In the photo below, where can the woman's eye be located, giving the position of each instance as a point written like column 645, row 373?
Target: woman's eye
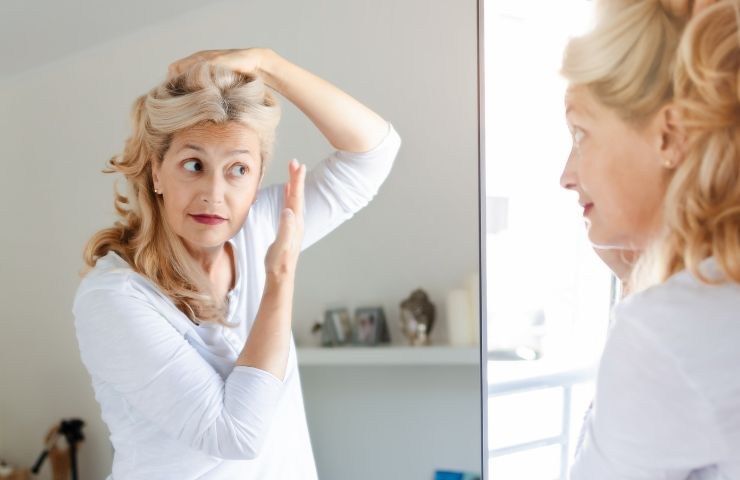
column 239, row 170
column 196, row 162
column 577, row 135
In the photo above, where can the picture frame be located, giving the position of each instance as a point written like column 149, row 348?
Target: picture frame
column 370, row 326
column 337, row 327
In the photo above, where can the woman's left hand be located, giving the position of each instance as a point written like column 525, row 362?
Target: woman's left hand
column 244, row 60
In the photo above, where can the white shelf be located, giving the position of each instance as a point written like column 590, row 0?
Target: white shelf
column 388, row 355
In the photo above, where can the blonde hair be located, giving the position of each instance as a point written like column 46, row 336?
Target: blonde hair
column 142, row 237
column 643, row 55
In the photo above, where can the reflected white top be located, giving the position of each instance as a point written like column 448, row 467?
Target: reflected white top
column 667, row 404
column 175, row 404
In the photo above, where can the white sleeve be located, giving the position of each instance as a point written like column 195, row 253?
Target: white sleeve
column 337, row 187
column 125, row 342
column 647, row 420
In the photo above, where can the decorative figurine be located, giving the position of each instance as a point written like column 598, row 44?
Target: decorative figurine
column 417, row 318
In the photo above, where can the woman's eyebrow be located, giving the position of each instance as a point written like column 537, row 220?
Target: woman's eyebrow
column 199, row 149
column 571, row 108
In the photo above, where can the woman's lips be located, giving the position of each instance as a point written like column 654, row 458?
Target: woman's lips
column 207, row 220
column 587, row 209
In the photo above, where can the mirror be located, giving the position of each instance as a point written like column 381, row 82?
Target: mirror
column 611, row 283
column 69, row 79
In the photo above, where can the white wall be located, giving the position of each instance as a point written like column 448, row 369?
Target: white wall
column 413, row 61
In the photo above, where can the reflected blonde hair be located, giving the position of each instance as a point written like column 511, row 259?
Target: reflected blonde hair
column 142, row 237
column 644, row 54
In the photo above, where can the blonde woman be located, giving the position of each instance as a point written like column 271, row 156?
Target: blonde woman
column 184, row 317
column 654, row 108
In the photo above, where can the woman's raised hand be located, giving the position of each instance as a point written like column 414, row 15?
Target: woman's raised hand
column 244, row 60
column 282, row 256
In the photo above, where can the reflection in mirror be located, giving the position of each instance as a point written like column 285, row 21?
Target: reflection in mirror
column 380, row 377
column 547, row 294
column 651, row 106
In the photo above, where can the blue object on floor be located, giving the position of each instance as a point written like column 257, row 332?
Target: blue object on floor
column 451, row 475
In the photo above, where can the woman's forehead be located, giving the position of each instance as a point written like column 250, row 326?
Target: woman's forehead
column 577, row 99
column 225, row 135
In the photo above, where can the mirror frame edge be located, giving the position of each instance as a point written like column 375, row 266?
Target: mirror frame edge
column 482, row 242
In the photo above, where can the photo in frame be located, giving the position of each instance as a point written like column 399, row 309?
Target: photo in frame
column 337, row 328
column 370, row 326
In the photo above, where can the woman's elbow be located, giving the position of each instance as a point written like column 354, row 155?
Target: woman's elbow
column 231, row 441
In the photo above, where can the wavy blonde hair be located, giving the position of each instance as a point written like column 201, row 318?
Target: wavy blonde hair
column 644, row 54
column 142, row 237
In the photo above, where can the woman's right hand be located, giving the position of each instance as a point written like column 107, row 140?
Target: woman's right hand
column 282, row 255
column 244, row 60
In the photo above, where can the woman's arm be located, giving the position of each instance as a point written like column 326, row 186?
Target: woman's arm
column 268, row 344
column 345, row 122
column 126, row 342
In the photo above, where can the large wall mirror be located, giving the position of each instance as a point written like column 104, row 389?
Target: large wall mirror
column 69, row 76
column 609, row 173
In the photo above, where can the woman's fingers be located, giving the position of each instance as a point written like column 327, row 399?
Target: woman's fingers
column 296, row 184
column 286, row 193
column 246, row 60
column 179, row 66
column 282, row 255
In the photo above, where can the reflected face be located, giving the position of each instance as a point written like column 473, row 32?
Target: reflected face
column 616, row 171
column 209, row 170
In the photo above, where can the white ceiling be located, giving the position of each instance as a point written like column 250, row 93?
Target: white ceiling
column 35, row 32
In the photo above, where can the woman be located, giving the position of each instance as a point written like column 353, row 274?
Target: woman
column 654, row 108
column 184, row 323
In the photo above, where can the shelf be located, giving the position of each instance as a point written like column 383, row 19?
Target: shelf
column 388, row 355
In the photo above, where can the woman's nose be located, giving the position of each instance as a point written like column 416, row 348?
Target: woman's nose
column 568, row 178
column 214, row 189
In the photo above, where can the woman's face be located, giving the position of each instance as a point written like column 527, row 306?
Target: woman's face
column 209, row 169
column 617, row 170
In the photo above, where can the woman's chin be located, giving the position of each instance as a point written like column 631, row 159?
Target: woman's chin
column 205, row 241
column 597, row 237
column 600, row 239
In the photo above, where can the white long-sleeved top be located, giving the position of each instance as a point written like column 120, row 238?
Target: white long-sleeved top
column 667, row 402
column 176, row 405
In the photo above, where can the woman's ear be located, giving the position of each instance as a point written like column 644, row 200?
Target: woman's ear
column 670, row 137
column 262, row 172
column 155, row 176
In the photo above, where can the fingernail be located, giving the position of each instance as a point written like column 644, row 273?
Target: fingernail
column 287, row 213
